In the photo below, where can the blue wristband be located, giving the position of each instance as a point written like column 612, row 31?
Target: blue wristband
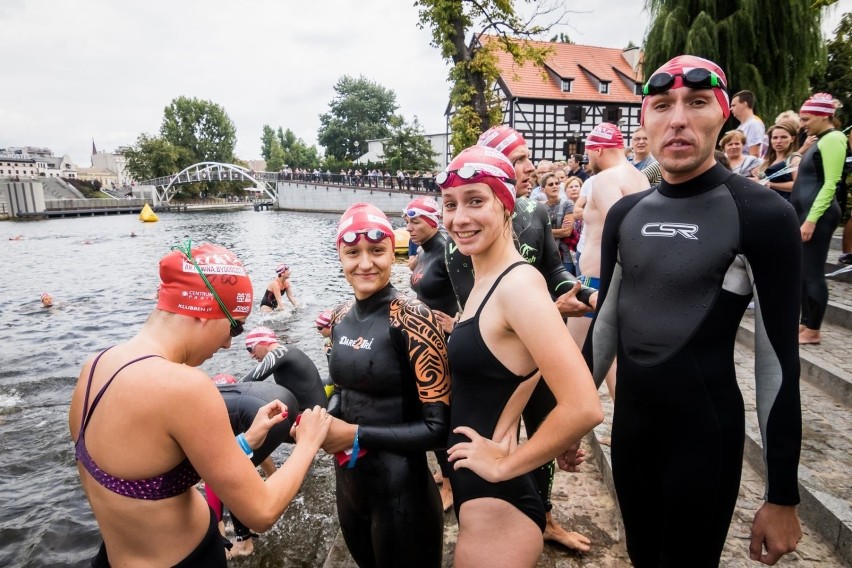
column 243, row 443
column 355, row 449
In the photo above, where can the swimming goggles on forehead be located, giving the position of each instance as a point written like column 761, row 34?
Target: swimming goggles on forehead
column 415, row 212
column 236, row 327
column 372, row 235
column 697, row 78
column 468, row 173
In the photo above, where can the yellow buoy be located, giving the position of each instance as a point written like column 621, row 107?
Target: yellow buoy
column 401, row 236
column 147, row 215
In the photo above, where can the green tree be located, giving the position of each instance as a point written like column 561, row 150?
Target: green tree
column 837, row 78
column 153, row 157
column 765, row 46
column 359, row 111
column 202, row 127
column 474, row 70
column 408, row 148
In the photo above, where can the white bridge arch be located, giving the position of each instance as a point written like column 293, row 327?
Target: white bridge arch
column 165, row 187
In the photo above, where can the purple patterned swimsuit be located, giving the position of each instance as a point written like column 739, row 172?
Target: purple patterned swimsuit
column 174, row 482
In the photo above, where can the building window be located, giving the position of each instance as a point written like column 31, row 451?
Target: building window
column 603, row 87
column 612, row 114
column 566, row 85
column 574, row 113
column 637, row 89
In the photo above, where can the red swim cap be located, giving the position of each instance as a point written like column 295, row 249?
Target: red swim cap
column 282, row 268
column 502, row 138
column 819, row 104
column 604, row 135
column 424, row 207
column 491, row 167
column 684, row 63
column 362, row 217
column 183, row 291
column 260, row 336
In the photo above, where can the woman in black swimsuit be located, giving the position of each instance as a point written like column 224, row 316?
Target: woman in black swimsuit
column 501, row 516
column 142, row 408
column 390, row 403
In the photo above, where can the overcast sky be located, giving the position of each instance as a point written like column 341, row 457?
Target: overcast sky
column 105, row 70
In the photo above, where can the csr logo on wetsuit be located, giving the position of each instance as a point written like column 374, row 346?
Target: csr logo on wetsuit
column 359, row 343
column 670, row 230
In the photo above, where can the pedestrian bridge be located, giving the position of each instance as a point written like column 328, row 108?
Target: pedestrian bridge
column 167, row 186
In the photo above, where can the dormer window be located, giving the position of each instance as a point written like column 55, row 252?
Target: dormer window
column 637, row 89
column 603, row 87
column 566, row 85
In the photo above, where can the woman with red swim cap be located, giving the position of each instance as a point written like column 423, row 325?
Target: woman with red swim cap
column 390, row 404
column 148, row 425
column 498, row 352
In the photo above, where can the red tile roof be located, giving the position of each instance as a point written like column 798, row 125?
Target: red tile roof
column 581, row 63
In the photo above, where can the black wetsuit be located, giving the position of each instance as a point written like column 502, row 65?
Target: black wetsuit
column 431, row 282
column 295, row 371
column 482, row 386
column 534, row 240
column 679, row 265
column 813, row 196
column 243, row 400
column 389, row 368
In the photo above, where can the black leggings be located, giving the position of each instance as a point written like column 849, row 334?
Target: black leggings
column 814, row 256
column 540, row 404
column 390, row 511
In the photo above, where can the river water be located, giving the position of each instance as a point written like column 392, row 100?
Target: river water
column 103, row 282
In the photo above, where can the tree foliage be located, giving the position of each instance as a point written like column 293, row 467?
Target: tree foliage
column 153, row 157
column 474, row 69
column 360, row 110
column 837, row 78
column 408, row 148
column 765, row 46
column 202, row 127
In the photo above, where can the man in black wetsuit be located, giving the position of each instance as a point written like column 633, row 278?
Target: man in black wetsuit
column 535, row 242
column 290, row 368
column 680, row 263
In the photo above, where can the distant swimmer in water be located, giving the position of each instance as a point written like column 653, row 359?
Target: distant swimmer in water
column 17, row 238
column 147, row 425
column 243, row 401
column 281, row 283
column 132, row 234
column 46, row 300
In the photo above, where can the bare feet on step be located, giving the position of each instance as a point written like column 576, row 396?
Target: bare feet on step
column 569, row 539
column 809, row 337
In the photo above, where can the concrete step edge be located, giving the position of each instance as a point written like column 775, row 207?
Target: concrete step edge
column 828, row 378
column 826, row 514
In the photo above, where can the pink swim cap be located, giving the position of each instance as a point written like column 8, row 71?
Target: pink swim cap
column 684, row 63
column 819, row 104
column 224, row 379
column 491, row 167
column 260, row 336
column 603, row 136
column 502, row 138
column 424, row 207
column 324, row 319
column 362, row 217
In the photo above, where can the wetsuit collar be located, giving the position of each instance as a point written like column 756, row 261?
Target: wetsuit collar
column 378, row 300
column 714, row 177
column 436, row 241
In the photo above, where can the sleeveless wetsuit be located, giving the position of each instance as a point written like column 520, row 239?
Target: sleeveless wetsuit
column 210, row 552
column 482, row 386
column 534, row 240
column 679, row 265
column 813, row 196
column 294, row 371
column 390, row 373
